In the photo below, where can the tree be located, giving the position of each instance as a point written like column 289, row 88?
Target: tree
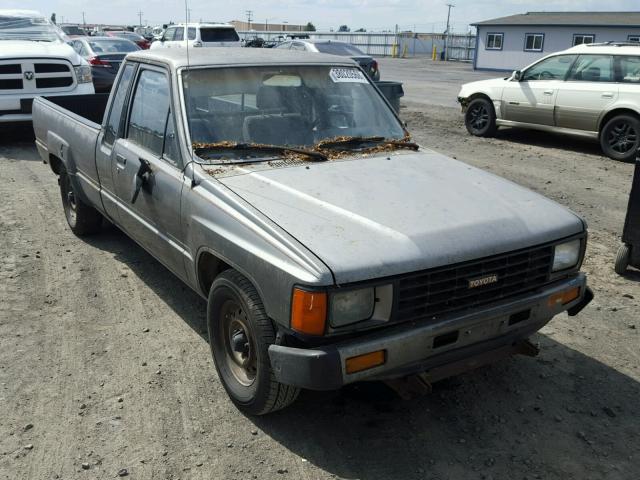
column 310, row 27
column 344, row 28
column 361, row 30
column 53, row 18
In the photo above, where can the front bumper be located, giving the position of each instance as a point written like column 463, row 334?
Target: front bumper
column 462, row 339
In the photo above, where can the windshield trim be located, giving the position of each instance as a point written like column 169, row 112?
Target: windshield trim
column 186, row 130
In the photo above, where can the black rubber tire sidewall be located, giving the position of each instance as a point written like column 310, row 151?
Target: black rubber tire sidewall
column 265, row 394
column 490, row 129
column 607, row 150
column 622, row 259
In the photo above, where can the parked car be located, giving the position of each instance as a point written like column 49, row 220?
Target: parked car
column 104, row 54
column 138, row 39
column 331, row 249
column 590, row 90
column 73, row 31
column 199, row 35
column 34, row 60
column 334, row 47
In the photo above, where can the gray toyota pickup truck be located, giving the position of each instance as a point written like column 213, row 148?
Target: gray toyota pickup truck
column 284, row 189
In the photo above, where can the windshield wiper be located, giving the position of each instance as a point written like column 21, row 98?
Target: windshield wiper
column 254, row 147
column 357, row 141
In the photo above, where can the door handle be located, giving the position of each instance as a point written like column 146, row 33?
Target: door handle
column 548, row 92
column 514, row 103
column 121, row 162
column 607, row 95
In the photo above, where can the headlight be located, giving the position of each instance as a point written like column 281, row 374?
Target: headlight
column 83, row 74
column 351, row 306
column 566, row 255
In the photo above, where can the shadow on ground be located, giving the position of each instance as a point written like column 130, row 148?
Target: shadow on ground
column 560, row 415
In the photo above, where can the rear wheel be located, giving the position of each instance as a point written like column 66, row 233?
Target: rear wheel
column 82, row 218
column 620, row 137
column 480, row 118
column 239, row 335
column 622, row 259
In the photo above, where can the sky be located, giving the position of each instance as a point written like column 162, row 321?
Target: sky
column 373, row 15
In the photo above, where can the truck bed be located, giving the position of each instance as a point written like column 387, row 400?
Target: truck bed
column 90, row 107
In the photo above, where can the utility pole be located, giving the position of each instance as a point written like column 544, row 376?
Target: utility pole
column 446, row 38
column 140, row 13
column 84, row 22
column 249, row 18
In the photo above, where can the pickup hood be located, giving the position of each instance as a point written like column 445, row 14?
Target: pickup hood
column 27, row 49
column 401, row 212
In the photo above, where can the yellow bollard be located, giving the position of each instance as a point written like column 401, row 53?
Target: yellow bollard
column 405, row 50
column 434, row 55
column 394, row 50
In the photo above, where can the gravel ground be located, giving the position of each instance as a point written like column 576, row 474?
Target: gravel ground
column 105, row 369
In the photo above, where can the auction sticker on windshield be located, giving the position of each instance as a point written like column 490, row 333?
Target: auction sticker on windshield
column 349, row 75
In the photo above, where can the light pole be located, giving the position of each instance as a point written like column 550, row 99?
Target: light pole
column 446, row 38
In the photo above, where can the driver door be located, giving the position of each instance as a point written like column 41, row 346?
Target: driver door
column 532, row 98
column 149, row 208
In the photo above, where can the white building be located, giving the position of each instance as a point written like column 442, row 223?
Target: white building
column 512, row 42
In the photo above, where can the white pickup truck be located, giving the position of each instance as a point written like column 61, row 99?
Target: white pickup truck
column 35, row 60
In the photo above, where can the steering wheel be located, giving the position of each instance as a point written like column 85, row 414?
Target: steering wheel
column 546, row 75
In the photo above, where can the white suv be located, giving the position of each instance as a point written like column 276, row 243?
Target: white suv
column 35, row 60
column 198, row 35
column 591, row 90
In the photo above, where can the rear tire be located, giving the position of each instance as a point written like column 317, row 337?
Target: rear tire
column 240, row 333
column 83, row 219
column 622, row 259
column 480, row 118
column 620, row 138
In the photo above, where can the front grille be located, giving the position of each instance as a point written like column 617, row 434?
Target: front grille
column 11, row 84
column 10, row 69
column 432, row 293
column 56, row 82
column 50, row 67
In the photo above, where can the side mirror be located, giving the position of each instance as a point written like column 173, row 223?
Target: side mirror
column 516, row 75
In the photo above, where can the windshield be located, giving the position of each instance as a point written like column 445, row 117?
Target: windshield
column 218, row 35
column 113, row 46
column 28, row 26
column 333, row 48
column 294, row 106
column 72, row 30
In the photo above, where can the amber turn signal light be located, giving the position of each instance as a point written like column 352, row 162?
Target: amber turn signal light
column 308, row 312
column 364, row 362
column 565, row 297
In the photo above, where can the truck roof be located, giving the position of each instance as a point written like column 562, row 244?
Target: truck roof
column 199, row 57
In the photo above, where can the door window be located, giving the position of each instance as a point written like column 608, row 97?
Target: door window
column 533, row 42
column 553, row 68
column 629, row 69
column 191, row 33
column 171, row 150
column 179, row 34
column 149, row 109
column 112, row 128
column 592, row 68
column 168, row 35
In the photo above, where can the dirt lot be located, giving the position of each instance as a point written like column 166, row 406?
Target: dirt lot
column 104, row 364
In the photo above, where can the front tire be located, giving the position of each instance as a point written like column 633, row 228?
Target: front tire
column 480, row 118
column 620, row 138
column 240, row 333
column 83, row 219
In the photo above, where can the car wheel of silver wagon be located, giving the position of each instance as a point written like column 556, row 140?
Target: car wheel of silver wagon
column 239, row 335
column 620, row 138
column 82, row 218
column 480, row 118
column 622, row 259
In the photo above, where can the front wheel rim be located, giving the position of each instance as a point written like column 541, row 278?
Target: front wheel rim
column 239, row 346
column 622, row 137
column 72, row 205
column 478, row 117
